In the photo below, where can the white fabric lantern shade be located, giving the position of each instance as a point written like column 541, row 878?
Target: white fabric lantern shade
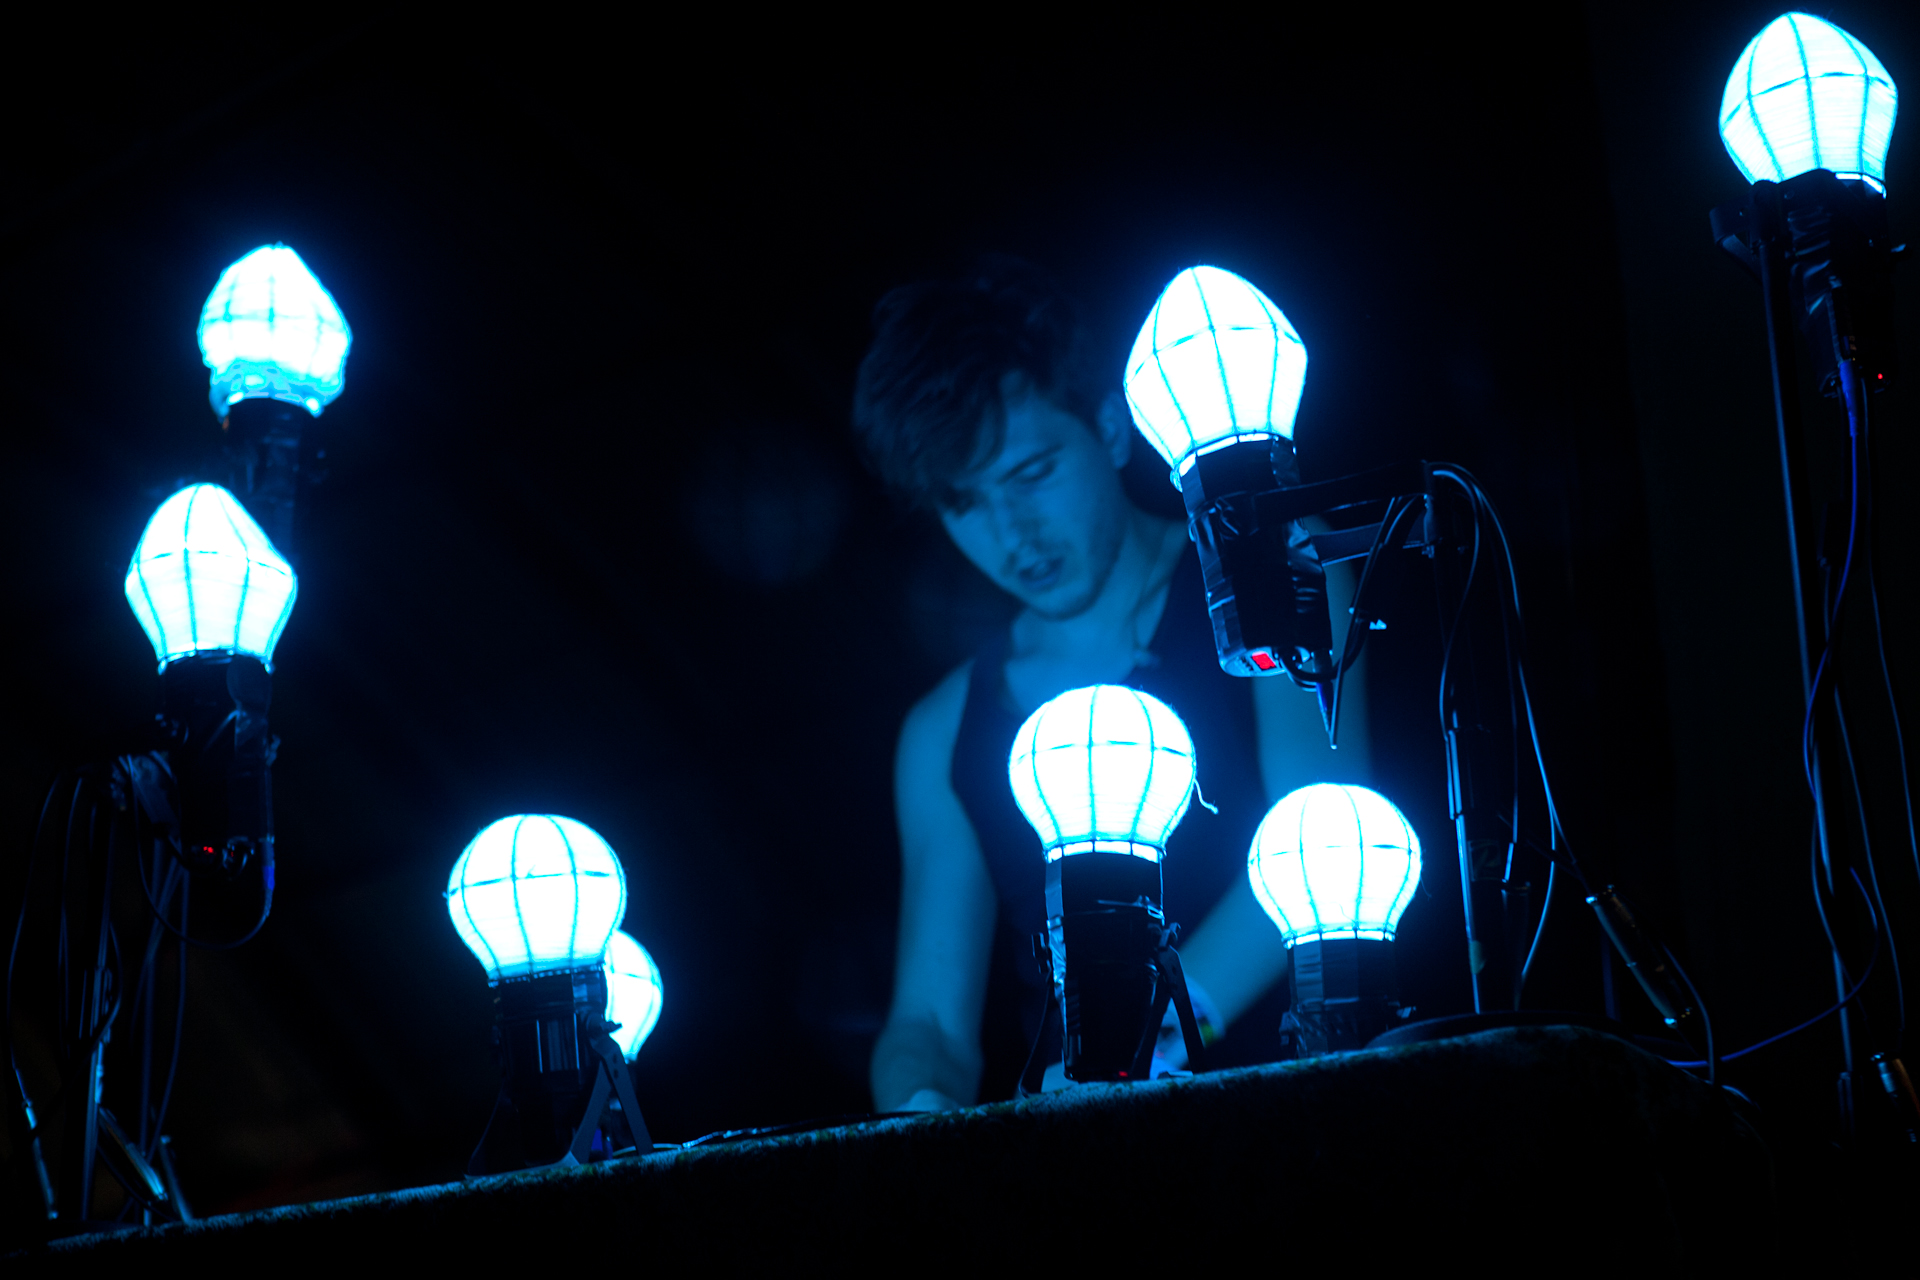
column 536, row 893
column 633, row 992
column 1806, row 95
column 205, row 577
column 1334, row 861
column 271, row 330
column 1216, row 363
column 1104, row 769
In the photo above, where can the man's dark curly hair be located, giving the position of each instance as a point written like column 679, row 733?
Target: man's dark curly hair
column 928, row 403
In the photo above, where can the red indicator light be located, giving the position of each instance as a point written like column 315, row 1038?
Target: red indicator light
column 1263, row 660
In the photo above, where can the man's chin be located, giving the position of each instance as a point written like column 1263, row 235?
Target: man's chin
column 1057, row 603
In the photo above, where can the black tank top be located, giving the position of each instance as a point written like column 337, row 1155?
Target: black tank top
column 1205, row 854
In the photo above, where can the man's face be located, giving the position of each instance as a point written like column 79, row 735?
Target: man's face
column 1045, row 515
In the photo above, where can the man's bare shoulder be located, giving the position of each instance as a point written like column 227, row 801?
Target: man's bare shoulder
column 933, row 722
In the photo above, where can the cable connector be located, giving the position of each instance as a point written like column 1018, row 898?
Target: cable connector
column 1899, row 1089
column 1645, row 960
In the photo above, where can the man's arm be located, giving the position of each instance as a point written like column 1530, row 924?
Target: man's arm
column 928, row 1056
column 1236, row 953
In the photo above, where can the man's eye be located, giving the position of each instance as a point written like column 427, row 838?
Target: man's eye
column 1038, row 471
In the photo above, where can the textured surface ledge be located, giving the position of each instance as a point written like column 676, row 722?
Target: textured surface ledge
column 1470, row 1148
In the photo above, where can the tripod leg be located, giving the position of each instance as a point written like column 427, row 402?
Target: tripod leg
column 610, row 1081
column 1162, row 993
column 171, row 1176
column 1189, row 1025
column 129, row 1168
column 582, row 1145
column 630, row 1106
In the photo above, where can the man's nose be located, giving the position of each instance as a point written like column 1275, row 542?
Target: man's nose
column 1015, row 524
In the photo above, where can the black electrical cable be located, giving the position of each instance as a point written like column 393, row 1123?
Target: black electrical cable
column 1509, row 625
column 1511, row 636
column 1826, row 925
column 1836, row 605
column 1558, row 841
column 1459, row 613
column 1359, row 623
column 1885, row 922
column 99, row 851
column 13, row 953
column 1519, row 699
column 1513, row 647
column 65, row 1006
column 175, row 877
column 146, row 888
column 1540, row 929
column 179, row 1021
column 26, row 896
column 1706, row 1020
column 1872, row 960
column 146, row 988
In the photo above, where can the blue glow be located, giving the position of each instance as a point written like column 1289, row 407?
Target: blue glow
column 1806, row 95
column 270, row 330
column 1334, row 861
column 1215, row 363
column 1105, row 769
column 633, row 992
column 205, row 577
column 536, row 893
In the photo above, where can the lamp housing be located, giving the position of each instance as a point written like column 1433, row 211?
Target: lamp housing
column 536, row 897
column 1807, row 116
column 535, row 894
column 1806, row 95
column 215, row 792
column 1103, row 774
column 1334, row 866
column 1215, row 364
column 270, row 330
column 213, row 595
column 1214, row 383
column 205, row 578
column 545, row 1026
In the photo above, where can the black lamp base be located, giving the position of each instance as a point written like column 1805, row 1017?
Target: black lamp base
column 1344, row 995
column 566, row 1097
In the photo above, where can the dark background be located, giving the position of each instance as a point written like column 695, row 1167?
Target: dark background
column 593, row 540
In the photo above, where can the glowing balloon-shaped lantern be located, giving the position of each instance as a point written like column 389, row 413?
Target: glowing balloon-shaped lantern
column 1216, row 364
column 1335, row 861
column 270, row 330
column 205, row 578
column 1806, row 95
column 1335, row 866
column 1104, row 769
column 633, row 992
column 1214, row 382
column 536, row 897
column 536, row 894
column 213, row 596
column 277, row 347
column 1104, row 774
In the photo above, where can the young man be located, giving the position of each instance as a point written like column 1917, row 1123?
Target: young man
column 978, row 398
